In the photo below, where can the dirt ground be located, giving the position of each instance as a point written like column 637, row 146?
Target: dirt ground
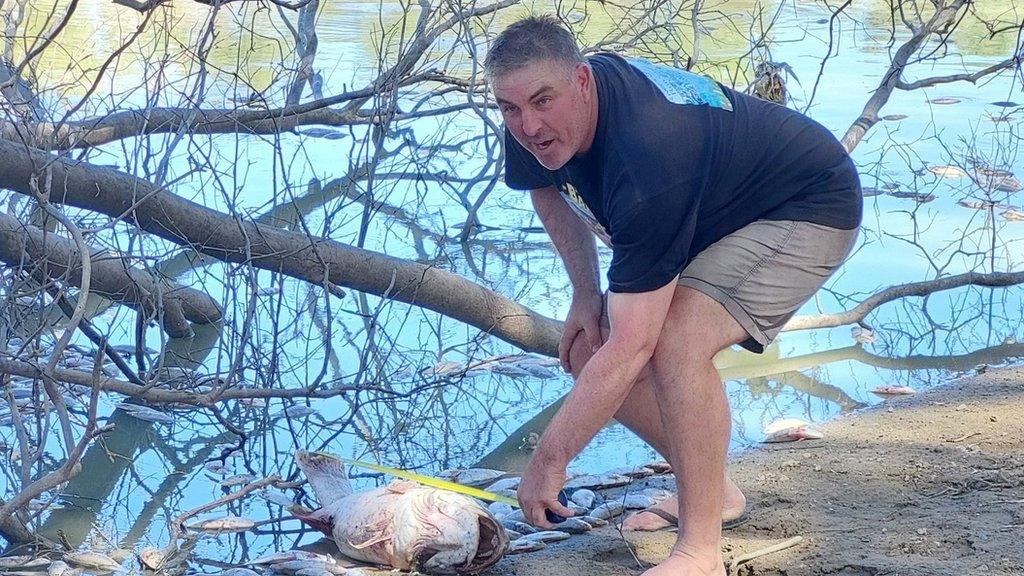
column 930, row 484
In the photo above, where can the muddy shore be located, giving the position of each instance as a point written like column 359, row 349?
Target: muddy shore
column 930, row 484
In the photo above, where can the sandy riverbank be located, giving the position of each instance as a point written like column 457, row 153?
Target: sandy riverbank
column 931, row 484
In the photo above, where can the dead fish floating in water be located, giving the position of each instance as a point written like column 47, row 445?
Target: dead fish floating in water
column 894, row 117
column 1014, row 215
column 944, row 101
column 404, row 524
column 948, row 171
column 790, row 430
column 921, row 197
column 597, row 481
column 227, row 524
column 92, row 561
column 472, row 476
column 893, row 390
column 862, row 335
column 1005, row 104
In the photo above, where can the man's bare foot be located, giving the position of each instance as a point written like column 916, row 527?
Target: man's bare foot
column 683, row 564
column 646, row 521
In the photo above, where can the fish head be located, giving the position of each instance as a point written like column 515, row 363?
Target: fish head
column 440, row 532
column 320, row 519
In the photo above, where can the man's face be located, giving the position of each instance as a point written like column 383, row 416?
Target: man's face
column 547, row 109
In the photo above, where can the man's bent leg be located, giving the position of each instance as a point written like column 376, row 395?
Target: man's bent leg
column 640, row 414
column 695, row 417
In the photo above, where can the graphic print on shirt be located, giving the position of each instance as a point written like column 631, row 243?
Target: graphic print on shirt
column 572, row 196
column 682, row 87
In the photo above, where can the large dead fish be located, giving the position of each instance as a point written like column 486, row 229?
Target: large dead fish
column 404, row 524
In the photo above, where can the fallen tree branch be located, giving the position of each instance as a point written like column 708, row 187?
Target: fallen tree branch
column 48, row 256
column 131, row 123
column 924, row 288
column 294, row 254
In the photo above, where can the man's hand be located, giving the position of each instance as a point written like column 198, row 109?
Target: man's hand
column 538, row 490
column 584, row 316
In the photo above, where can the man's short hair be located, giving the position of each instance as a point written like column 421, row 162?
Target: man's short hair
column 532, row 39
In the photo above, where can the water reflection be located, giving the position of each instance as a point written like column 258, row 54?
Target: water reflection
column 282, row 333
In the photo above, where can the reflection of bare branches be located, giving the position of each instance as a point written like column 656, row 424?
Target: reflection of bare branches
column 858, row 313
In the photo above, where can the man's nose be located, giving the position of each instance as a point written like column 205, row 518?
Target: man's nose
column 531, row 123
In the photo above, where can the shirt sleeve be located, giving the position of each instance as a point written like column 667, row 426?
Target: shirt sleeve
column 522, row 171
column 651, row 241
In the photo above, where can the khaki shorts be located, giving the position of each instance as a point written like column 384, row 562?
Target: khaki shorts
column 764, row 272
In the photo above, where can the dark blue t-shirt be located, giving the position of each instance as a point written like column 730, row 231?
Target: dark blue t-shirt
column 679, row 161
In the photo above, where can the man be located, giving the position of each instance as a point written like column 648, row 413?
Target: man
column 724, row 213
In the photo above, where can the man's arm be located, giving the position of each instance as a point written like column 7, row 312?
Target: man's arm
column 575, row 244
column 571, row 237
column 601, row 388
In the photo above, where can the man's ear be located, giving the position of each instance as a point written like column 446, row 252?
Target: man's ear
column 582, row 77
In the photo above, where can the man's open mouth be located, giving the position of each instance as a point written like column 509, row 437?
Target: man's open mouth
column 544, row 145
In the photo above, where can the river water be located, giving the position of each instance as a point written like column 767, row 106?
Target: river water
column 285, row 333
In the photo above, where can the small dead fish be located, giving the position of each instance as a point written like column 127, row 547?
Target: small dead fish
column 253, row 402
column 862, row 335
column 1005, row 104
column 314, row 572
column 226, row 524
column 894, row 117
column 594, row 521
column 286, row 556
column 152, row 558
column 505, row 484
column 443, row 368
column 472, row 476
column 584, row 498
column 546, row 536
column 921, row 197
column 520, row 546
column 944, row 101
column 868, row 192
column 632, row 471
column 517, row 526
column 573, row 525
column 9, row 562
column 947, row 171
column 58, row 568
column 1000, row 183
column 296, row 411
column 149, row 414
column 608, row 510
column 237, row 480
column 296, row 565
column 637, row 501
column 275, row 497
column 217, row 467
column 93, row 561
column 512, row 534
column 500, row 509
column 597, row 481
column 238, row 572
column 511, row 370
column 893, row 390
column 659, row 466
column 1014, row 215
column 975, row 204
column 790, row 430
column 576, row 509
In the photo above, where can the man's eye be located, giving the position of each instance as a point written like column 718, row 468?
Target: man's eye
column 544, row 101
column 508, row 109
